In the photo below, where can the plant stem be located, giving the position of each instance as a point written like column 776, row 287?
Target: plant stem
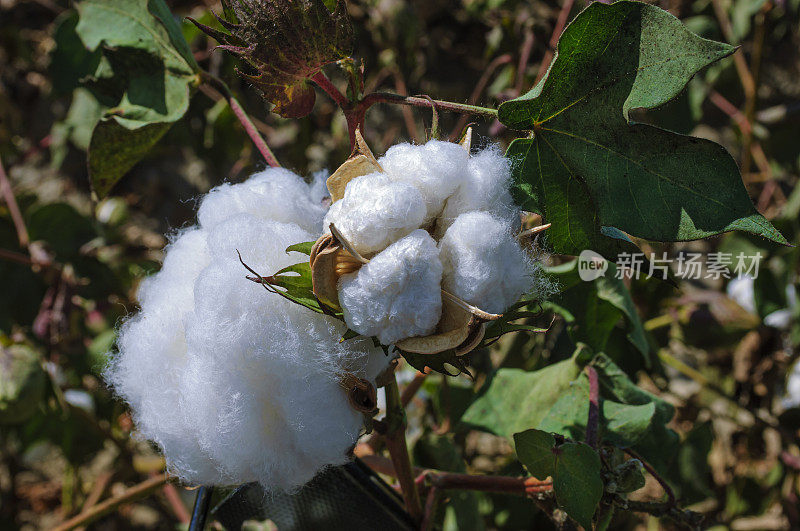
column 517, row 486
column 336, row 95
column 13, row 208
column 398, row 450
column 415, row 101
column 593, row 421
column 137, row 492
column 241, row 115
column 671, row 500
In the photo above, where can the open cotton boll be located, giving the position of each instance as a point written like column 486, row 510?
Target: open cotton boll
column 484, row 187
column 375, row 212
column 275, row 193
column 397, row 294
column 484, row 263
column 227, row 378
column 435, row 168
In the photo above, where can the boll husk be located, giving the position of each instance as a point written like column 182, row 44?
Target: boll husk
column 462, row 203
column 235, row 385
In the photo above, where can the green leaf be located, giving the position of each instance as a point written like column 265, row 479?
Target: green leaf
column 535, row 450
column 304, row 247
column 146, row 25
column 626, row 424
column 577, row 482
column 114, row 150
column 144, row 81
column 515, row 400
column 591, row 171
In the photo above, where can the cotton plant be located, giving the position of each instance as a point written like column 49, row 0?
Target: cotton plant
column 418, row 251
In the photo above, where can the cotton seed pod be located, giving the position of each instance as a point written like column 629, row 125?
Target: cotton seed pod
column 460, row 325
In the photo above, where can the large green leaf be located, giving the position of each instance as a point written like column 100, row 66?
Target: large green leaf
column 516, row 400
column 144, row 81
column 592, row 171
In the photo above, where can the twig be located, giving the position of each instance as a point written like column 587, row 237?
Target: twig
column 176, row 504
column 387, row 97
column 97, row 491
column 330, row 89
column 398, row 450
column 517, row 486
column 687, row 518
column 137, row 492
column 524, row 57
column 593, row 422
column 671, row 500
column 430, row 509
column 563, row 15
column 13, row 208
column 408, row 116
column 242, row 116
column 480, row 86
column 410, row 390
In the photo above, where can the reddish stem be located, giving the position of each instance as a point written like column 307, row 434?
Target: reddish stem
column 13, row 208
column 244, row 119
column 336, row 95
column 593, row 422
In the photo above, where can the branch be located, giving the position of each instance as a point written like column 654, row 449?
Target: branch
column 671, row 500
column 330, row 89
column 236, row 107
column 387, row 97
column 398, row 450
column 684, row 517
column 480, row 86
column 137, row 492
column 13, row 208
column 518, row 486
column 551, row 46
column 593, row 422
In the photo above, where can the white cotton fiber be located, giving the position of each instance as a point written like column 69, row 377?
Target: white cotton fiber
column 435, row 168
column 483, row 262
column 375, row 212
column 275, row 193
column 228, row 379
column 398, row 293
column 485, row 187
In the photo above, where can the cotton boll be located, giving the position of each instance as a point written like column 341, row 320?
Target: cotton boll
column 483, row 262
column 375, row 212
column 275, row 193
column 398, row 293
column 227, row 378
column 485, row 187
column 435, row 168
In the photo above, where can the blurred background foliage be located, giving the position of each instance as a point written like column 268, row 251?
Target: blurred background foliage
column 721, row 351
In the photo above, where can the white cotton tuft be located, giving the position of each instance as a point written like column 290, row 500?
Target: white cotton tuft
column 398, row 293
column 435, row 168
column 375, row 212
column 484, row 263
column 275, row 193
column 485, row 187
column 227, row 378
